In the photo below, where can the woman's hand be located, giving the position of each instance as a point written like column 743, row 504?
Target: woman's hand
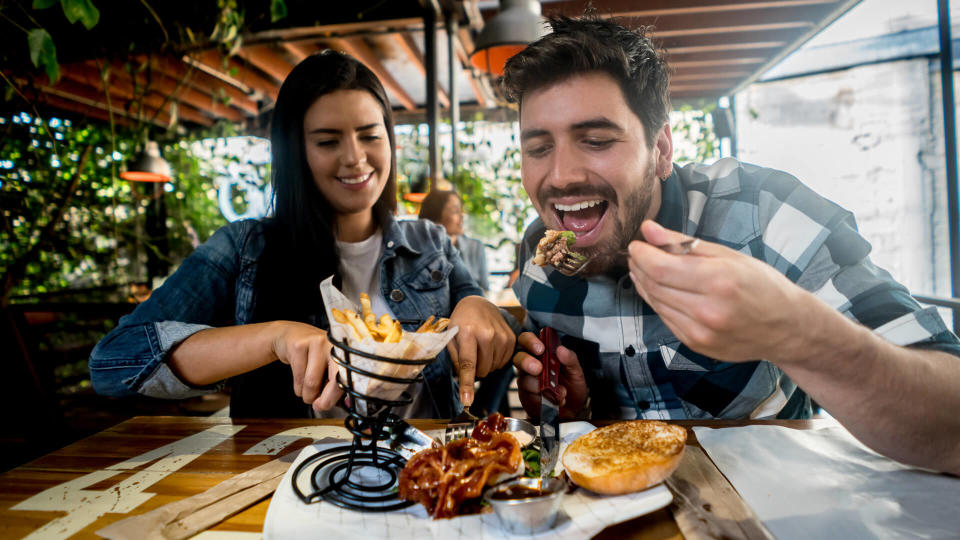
column 308, row 352
column 483, row 343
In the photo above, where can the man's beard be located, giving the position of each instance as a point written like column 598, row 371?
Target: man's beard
column 608, row 257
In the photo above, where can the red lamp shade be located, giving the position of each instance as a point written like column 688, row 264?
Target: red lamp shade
column 517, row 24
column 149, row 166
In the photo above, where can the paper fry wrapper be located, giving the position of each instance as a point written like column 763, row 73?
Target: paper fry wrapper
column 412, row 346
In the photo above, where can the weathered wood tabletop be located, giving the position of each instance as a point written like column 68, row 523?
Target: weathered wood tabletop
column 147, row 462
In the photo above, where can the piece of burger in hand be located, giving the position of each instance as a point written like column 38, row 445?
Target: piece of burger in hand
column 626, row 456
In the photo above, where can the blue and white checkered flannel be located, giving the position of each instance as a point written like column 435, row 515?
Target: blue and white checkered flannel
column 636, row 368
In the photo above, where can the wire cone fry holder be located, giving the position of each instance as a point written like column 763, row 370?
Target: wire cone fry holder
column 375, row 376
column 337, row 477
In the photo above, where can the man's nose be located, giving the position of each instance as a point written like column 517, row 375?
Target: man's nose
column 565, row 167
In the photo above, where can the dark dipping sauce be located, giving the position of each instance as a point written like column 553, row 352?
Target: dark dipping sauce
column 518, row 492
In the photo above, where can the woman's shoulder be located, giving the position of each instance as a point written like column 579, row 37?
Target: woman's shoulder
column 239, row 237
column 420, row 233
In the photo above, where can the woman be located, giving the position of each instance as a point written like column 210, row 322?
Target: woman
column 245, row 307
column 445, row 208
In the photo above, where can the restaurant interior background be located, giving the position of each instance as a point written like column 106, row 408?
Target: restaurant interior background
column 855, row 112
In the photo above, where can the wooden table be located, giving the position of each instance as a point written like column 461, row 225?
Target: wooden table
column 84, row 479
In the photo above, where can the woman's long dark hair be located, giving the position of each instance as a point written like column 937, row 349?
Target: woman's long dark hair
column 300, row 249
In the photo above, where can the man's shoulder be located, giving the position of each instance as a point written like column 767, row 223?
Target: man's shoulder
column 730, row 177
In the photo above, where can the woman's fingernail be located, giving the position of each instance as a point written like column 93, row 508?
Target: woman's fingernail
column 467, row 399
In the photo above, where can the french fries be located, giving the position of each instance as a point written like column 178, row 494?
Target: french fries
column 387, row 330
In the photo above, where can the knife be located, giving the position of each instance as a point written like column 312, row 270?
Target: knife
column 549, row 402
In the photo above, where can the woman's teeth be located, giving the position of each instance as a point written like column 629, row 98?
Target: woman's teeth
column 354, row 179
column 582, row 205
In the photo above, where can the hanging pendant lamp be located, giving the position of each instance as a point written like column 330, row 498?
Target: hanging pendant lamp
column 516, row 25
column 149, row 166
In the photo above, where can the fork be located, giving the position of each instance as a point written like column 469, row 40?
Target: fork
column 460, row 427
column 573, row 263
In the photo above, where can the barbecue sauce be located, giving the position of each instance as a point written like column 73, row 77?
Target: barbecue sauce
column 518, row 492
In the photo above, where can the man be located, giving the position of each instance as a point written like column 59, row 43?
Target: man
column 776, row 303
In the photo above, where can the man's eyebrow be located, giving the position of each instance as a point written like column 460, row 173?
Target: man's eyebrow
column 596, row 123
column 531, row 133
column 331, row 131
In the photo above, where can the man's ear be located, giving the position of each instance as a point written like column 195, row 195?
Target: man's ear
column 663, row 152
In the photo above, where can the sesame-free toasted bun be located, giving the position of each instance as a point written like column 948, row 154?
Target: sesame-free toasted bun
column 625, row 457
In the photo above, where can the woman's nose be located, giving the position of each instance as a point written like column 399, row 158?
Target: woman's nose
column 352, row 152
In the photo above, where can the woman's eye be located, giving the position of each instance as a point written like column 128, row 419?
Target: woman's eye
column 371, row 137
column 325, row 143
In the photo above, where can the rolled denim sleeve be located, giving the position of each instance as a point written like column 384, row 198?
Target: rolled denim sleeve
column 132, row 358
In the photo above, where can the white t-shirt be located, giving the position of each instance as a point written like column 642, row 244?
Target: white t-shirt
column 360, row 272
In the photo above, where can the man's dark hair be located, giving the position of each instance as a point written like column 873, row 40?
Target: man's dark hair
column 591, row 44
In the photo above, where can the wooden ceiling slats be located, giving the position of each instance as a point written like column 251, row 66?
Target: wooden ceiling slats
column 659, row 8
column 70, row 106
column 410, row 48
column 357, row 48
column 715, row 47
column 90, row 97
column 299, row 51
column 203, row 81
column 267, row 60
column 89, row 86
column 244, row 75
column 464, row 42
column 161, row 83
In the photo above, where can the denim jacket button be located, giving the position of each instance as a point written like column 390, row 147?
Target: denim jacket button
column 390, row 244
column 396, row 295
column 436, row 275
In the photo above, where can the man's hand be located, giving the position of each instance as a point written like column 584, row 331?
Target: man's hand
column 719, row 302
column 573, row 386
column 483, row 343
column 307, row 351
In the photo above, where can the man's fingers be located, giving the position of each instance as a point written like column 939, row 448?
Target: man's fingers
column 530, row 343
column 527, row 364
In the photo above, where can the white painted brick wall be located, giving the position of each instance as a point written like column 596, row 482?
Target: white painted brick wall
column 870, row 139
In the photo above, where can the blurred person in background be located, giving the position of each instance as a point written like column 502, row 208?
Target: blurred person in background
column 445, row 208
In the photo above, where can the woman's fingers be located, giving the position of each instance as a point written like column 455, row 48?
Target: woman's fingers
column 315, row 369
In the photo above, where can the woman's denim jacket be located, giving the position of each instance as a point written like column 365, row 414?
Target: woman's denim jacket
column 421, row 274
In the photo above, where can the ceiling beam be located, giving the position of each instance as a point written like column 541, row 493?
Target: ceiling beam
column 203, row 81
column 299, row 51
column 244, row 76
column 159, row 82
column 267, row 60
column 84, row 81
column 323, row 32
column 357, row 48
column 405, row 41
column 89, row 98
column 463, row 43
column 661, row 8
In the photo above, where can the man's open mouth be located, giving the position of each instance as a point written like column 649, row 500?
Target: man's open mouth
column 581, row 217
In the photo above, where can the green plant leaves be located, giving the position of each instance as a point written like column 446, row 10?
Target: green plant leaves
column 82, row 10
column 44, row 53
column 43, row 4
column 278, row 10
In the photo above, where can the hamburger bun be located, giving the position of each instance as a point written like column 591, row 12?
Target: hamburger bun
column 625, row 457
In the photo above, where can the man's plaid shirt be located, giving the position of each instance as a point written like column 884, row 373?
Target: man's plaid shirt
column 634, row 365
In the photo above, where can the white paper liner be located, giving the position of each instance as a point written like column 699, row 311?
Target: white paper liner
column 412, row 346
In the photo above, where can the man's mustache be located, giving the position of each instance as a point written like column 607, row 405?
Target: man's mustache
column 577, row 190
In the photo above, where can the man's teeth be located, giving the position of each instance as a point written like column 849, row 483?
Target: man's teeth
column 577, row 206
column 354, row 179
